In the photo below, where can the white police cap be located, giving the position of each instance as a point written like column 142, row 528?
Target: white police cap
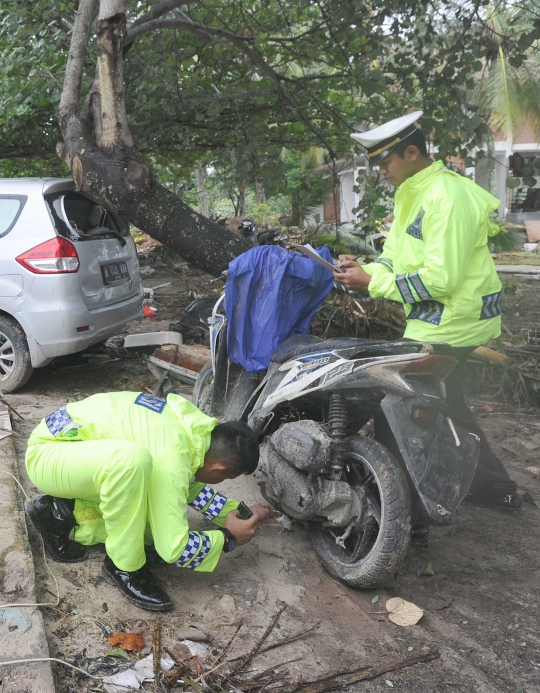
column 381, row 141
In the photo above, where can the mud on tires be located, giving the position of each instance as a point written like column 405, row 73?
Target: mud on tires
column 381, row 563
column 203, row 388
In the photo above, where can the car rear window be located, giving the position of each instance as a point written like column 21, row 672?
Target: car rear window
column 78, row 215
column 10, row 208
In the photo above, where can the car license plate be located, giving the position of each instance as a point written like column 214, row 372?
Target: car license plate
column 115, row 273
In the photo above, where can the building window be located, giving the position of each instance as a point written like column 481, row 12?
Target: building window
column 524, row 198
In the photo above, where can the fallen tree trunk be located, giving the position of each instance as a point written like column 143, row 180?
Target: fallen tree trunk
column 125, row 184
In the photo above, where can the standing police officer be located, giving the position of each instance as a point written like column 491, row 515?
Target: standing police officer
column 436, row 262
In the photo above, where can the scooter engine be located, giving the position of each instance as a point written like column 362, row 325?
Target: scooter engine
column 291, row 476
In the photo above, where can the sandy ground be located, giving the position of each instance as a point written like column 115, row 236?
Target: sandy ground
column 481, row 605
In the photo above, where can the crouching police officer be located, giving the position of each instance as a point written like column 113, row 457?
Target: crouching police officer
column 121, row 468
column 436, row 262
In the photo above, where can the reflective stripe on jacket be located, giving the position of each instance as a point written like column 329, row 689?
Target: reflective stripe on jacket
column 436, row 259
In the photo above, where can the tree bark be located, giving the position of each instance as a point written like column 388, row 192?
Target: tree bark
column 114, row 128
column 125, row 184
column 259, row 191
column 242, row 202
column 203, row 197
column 110, row 171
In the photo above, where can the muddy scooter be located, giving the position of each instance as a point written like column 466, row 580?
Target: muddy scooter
column 311, row 410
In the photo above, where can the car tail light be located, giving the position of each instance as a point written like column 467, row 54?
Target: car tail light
column 440, row 366
column 56, row 256
column 423, row 417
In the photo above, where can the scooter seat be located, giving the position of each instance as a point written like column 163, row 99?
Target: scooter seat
column 309, row 344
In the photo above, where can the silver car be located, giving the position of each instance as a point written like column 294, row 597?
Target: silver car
column 69, row 275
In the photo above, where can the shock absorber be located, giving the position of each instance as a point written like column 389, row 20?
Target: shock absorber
column 337, row 423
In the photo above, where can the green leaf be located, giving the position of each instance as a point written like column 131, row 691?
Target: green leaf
column 375, row 599
column 512, row 183
column 389, row 683
column 117, row 652
column 429, row 570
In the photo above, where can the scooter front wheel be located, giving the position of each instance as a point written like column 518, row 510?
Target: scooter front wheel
column 203, row 389
column 369, row 553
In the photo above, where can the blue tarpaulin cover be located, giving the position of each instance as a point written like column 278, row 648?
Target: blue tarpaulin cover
column 271, row 294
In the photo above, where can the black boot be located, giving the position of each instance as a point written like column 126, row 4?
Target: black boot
column 53, row 519
column 500, row 497
column 138, row 587
column 152, row 556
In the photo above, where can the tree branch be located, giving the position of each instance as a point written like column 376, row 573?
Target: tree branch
column 186, row 24
column 241, row 42
column 158, row 10
column 233, row 96
column 71, row 92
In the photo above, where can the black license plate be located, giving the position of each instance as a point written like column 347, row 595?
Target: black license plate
column 115, row 273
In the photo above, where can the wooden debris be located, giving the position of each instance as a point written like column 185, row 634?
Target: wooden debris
column 330, row 684
column 190, row 356
column 156, row 647
column 244, row 661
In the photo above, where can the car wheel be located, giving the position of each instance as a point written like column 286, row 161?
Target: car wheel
column 15, row 364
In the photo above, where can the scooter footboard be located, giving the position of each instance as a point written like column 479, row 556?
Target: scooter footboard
column 441, row 458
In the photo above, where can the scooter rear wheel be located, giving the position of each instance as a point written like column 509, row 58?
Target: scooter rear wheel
column 371, row 554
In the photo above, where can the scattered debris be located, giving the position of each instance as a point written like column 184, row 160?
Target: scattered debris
column 403, row 613
column 132, row 642
column 533, row 470
column 428, row 571
column 132, row 678
column 146, row 271
column 226, row 603
column 117, row 652
column 193, row 357
column 197, row 649
column 156, row 646
column 193, row 633
column 331, row 684
column 149, row 311
column 15, row 619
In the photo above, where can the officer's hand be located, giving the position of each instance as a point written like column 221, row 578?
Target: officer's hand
column 354, row 278
column 267, row 514
column 243, row 530
column 347, row 261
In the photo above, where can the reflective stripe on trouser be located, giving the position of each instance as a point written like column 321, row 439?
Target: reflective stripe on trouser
column 114, row 473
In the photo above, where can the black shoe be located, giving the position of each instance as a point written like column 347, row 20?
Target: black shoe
column 152, row 556
column 139, row 587
column 53, row 519
column 508, row 503
column 420, row 536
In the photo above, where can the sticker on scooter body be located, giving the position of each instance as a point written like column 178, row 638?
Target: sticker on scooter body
column 305, row 375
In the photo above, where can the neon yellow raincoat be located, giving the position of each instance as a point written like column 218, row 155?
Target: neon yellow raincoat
column 436, row 259
column 129, row 460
